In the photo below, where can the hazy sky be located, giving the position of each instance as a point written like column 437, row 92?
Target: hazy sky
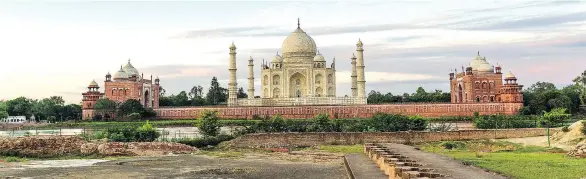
column 58, row 48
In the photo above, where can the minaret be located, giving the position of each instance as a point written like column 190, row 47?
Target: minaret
column 232, row 85
column 250, row 78
column 360, row 71
column 353, row 77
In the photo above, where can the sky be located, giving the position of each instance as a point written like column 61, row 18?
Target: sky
column 50, row 48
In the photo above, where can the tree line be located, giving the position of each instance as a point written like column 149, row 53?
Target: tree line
column 216, row 95
column 51, row 109
column 420, row 95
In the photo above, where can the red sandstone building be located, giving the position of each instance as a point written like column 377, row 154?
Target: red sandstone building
column 481, row 82
column 126, row 84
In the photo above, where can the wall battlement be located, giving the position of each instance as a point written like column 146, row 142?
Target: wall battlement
column 359, row 111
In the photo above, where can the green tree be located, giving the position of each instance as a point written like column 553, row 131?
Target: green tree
column 216, row 93
column 165, row 101
column 130, row 106
column 20, row 106
column 241, row 93
column 3, row 110
column 71, row 112
column 181, row 99
column 581, row 81
column 573, row 92
column 105, row 106
column 209, row 124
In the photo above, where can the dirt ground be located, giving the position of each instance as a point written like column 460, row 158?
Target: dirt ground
column 214, row 165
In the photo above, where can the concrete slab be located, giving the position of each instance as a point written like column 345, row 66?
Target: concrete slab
column 363, row 168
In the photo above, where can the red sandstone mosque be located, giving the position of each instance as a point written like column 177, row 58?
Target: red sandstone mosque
column 299, row 84
column 126, row 84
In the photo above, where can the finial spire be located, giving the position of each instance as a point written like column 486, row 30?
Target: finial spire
column 478, row 53
column 298, row 24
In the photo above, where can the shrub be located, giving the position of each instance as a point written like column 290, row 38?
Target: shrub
column 321, row 123
column 205, row 141
column 148, row 112
column 121, row 134
column 146, row 133
column 208, row 124
column 555, row 117
column 452, row 145
column 133, row 116
column 566, row 128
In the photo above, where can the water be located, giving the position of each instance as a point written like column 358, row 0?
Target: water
column 167, row 132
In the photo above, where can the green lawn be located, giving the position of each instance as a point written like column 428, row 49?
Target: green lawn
column 514, row 160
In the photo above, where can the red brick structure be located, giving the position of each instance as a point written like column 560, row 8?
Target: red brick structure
column 364, row 111
column 126, row 84
column 482, row 83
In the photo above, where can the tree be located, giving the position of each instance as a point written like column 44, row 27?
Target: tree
column 581, row 81
column 105, row 106
column 165, row 101
column 180, row 99
column 20, row 106
column 196, row 92
column 70, row 111
column 3, row 110
column 209, row 124
column 216, row 93
column 162, row 91
column 573, row 92
column 130, row 106
column 241, row 93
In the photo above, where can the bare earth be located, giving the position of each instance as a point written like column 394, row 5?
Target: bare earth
column 277, row 165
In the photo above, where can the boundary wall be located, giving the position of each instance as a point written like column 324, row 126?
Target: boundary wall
column 284, row 140
column 360, row 111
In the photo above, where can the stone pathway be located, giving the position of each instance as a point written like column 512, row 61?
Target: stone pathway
column 444, row 165
column 363, row 168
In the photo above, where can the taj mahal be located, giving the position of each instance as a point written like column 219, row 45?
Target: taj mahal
column 300, row 76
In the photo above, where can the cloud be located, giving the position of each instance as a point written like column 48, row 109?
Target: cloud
column 530, row 22
column 229, row 31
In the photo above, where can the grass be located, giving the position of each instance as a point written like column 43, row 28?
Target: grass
column 13, row 159
column 342, row 148
column 221, row 154
column 514, row 160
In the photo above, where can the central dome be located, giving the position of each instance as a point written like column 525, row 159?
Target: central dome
column 298, row 44
column 481, row 65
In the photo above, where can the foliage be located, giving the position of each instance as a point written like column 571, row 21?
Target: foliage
column 452, row 145
column 130, row 106
column 581, row 83
column 216, row 93
column 514, row 160
column 3, row 110
column 241, row 94
column 544, row 96
column 133, row 116
column 556, row 116
column 375, row 97
column 584, row 128
column 321, row 123
column 144, row 133
column 382, row 122
column 208, row 124
column 93, row 136
column 504, row 122
column 105, row 106
column 148, row 112
column 342, row 148
column 205, row 141
column 20, row 106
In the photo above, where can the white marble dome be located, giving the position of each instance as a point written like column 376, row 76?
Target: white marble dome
column 130, row 70
column 481, row 65
column 299, row 44
column 277, row 59
column 510, row 76
column 319, row 58
column 93, row 84
column 120, row 74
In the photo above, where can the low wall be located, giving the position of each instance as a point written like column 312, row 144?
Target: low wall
column 276, row 140
column 360, row 111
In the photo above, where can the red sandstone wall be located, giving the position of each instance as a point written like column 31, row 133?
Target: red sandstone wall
column 365, row 111
column 277, row 140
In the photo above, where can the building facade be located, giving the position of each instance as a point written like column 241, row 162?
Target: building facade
column 301, row 76
column 481, row 82
column 126, row 84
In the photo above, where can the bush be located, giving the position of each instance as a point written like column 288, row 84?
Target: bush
column 382, row 122
column 452, row 145
column 208, row 124
column 146, row 133
column 504, row 122
column 205, row 141
column 148, row 112
column 566, row 128
column 134, row 116
column 321, row 123
column 555, row 117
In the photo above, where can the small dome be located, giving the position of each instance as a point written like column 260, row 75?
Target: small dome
column 319, row 58
column 120, row 74
column 93, row 84
column 510, row 76
column 299, row 44
column 359, row 43
column 130, row 70
column 232, row 45
column 277, row 58
column 480, row 64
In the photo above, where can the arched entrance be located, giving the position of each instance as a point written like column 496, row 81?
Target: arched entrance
column 297, row 86
column 318, row 92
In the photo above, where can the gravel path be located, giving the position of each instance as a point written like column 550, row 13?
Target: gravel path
column 189, row 166
column 444, row 165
